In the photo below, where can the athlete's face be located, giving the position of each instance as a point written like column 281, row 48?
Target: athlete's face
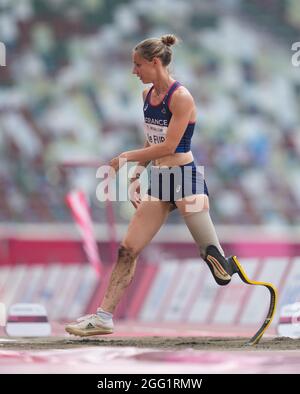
column 142, row 68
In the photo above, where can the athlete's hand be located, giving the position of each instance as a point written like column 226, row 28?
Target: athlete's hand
column 116, row 163
column 135, row 192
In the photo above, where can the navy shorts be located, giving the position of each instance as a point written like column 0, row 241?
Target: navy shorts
column 174, row 183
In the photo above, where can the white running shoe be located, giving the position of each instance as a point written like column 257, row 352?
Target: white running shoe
column 90, row 325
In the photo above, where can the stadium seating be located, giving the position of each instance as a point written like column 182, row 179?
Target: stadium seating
column 67, row 93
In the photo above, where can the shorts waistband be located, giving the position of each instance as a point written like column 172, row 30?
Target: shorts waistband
column 192, row 163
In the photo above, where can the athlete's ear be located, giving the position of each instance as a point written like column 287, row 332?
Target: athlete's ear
column 155, row 61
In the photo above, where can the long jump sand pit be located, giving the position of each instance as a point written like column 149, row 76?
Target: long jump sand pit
column 148, row 355
column 151, row 348
column 154, row 342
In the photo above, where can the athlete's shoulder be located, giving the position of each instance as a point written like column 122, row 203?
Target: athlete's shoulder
column 182, row 91
column 182, row 96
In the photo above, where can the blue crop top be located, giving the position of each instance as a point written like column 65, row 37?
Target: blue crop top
column 157, row 119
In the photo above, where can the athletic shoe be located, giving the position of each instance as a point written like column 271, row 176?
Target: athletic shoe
column 90, row 325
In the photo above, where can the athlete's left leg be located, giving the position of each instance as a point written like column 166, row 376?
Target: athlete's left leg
column 195, row 212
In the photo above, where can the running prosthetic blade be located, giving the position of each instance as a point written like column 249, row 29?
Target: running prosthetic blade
column 236, row 267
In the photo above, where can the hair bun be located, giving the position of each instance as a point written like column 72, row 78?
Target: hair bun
column 169, row 39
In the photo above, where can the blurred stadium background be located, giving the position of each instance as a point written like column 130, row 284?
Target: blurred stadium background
column 67, row 95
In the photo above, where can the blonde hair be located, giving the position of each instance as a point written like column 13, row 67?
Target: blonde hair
column 157, row 47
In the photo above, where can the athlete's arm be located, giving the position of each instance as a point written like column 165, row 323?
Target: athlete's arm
column 182, row 105
column 141, row 165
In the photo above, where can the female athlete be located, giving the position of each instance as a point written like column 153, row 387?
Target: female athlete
column 176, row 182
